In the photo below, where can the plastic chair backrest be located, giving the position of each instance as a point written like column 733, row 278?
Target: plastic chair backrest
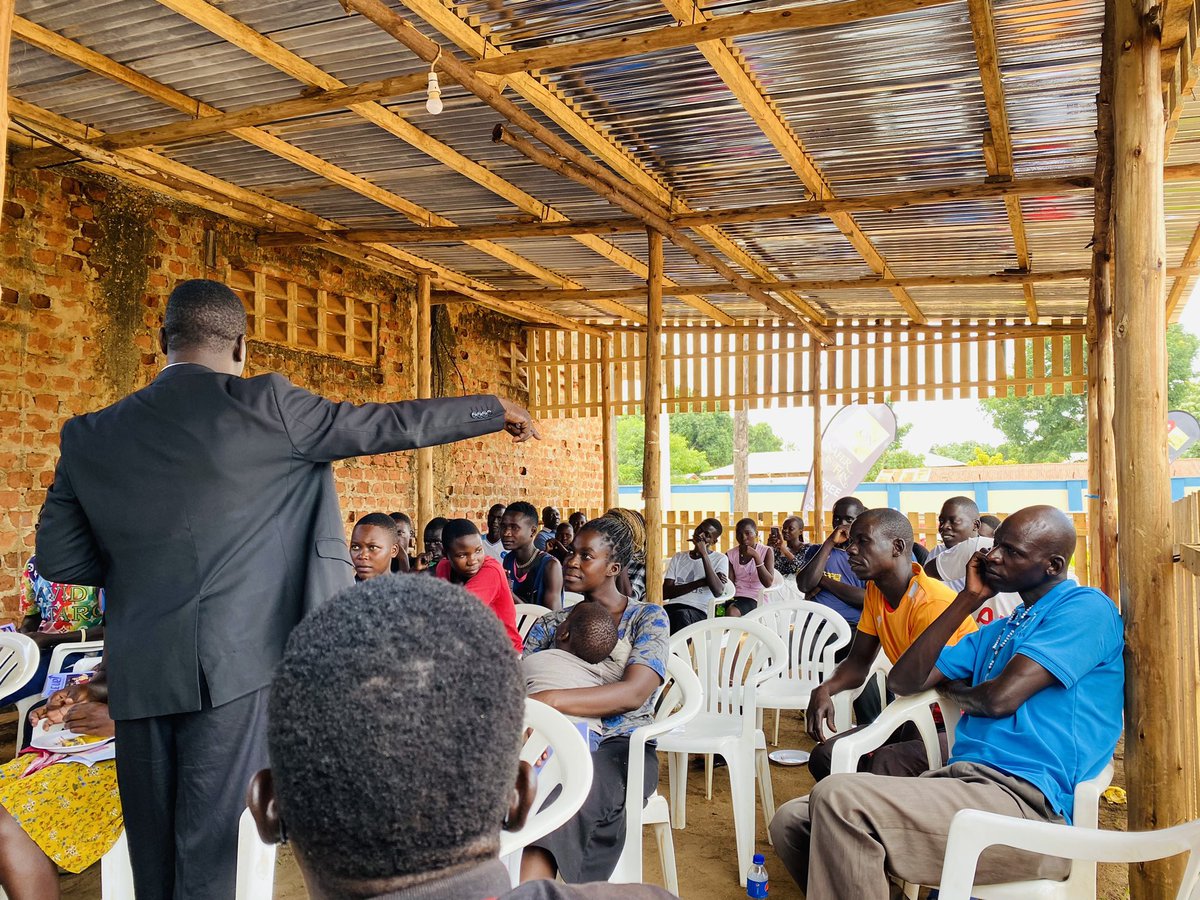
column 569, row 766
column 731, row 656
column 726, row 594
column 527, row 614
column 972, row 831
column 570, row 598
column 813, row 634
column 19, row 658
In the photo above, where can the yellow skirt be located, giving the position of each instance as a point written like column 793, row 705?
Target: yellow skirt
column 71, row 811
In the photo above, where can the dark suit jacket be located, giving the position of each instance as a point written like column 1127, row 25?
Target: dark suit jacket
column 205, row 505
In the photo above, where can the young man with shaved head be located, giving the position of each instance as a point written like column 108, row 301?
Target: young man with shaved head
column 958, row 522
column 900, row 602
column 1042, row 693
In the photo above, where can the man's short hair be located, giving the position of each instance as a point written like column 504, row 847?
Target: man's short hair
column 964, row 504
column 435, row 526
column 401, row 518
column 401, row 694
column 383, row 522
column 203, row 315
column 993, row 521
column 714, row 524
column 525, row 510
column 457, row 528
column 892, row 524
column 593, row 632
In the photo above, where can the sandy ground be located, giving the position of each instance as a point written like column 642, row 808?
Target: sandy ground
column 704, row 851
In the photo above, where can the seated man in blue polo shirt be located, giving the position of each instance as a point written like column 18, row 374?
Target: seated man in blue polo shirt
column 1042, row 693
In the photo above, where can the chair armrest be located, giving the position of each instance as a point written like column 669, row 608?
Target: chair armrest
column 850, row 748
column 1087, row 798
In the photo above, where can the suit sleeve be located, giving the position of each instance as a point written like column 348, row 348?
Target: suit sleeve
column 67, row 551
column 323, row 431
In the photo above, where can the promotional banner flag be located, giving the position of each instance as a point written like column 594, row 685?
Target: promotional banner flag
column 1182, row 431
column 852, row 442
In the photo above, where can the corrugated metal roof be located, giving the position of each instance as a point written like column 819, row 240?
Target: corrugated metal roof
column 882, row 105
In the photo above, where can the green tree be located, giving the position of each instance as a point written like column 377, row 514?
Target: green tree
column 1051, row 428
column 712, row 434
column 763, row 439
column 686, row 460
column 988, row 458
column 963, row 451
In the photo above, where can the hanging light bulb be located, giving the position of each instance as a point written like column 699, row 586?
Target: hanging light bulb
column 434, row 104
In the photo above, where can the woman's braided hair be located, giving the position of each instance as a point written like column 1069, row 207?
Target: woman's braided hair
column 619, row 534
column 636, row 524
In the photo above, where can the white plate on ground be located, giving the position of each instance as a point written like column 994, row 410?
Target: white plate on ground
column 789, row 757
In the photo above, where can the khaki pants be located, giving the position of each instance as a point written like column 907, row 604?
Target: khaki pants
column 852, row 831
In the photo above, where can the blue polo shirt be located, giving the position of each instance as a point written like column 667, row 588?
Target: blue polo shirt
column 1067, row 732
column 837, row 568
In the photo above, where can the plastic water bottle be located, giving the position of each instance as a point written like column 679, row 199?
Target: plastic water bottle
column 757, row 884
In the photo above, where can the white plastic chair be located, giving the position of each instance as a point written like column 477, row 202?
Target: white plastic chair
column 732, row 657
column 570, row 598
column 255, row 866
column 19, row 658
column 678, row 703
column 916, row 709
column 972, row 831
column 713, row 602
column 58, row 661
column 569, row 766
column 527, row 614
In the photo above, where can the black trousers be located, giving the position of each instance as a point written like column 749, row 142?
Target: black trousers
column 680, row 616
column 183, row 782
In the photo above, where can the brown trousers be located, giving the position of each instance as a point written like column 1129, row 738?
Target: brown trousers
column 852, row 831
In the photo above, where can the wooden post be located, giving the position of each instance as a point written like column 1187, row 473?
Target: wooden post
column 1102, row 464
column 652, row 411
column 817, row 488
column 1158, row 774
column 741, row 436
column 6, row 18
column 424, row 350
column 611, row 492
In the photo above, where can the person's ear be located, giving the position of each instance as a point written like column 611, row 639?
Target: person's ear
column 1056, row 566
column 899, row 545
column 239, row 349
column 162, row 341
column 523, row 795
column 260, row 797
column 395, row 550
column 975, row 526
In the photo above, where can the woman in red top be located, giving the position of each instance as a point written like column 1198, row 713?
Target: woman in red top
column 465, row 563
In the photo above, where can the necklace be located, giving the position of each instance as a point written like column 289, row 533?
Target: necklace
column 521, row 572
column 1016, row 621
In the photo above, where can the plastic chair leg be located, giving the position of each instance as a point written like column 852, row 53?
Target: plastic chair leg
column 741, row 784
column 116, row 874
column 666, row 856
column 762, row 766
column 677, row 765
column 775, row 739
column 708, row 775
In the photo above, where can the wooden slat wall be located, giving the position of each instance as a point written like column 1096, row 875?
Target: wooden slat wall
column 869, row 362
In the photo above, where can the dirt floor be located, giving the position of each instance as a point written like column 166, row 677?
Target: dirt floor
column 704, row 852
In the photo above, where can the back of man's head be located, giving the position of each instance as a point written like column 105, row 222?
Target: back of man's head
column 395, row 723
column 203, row 315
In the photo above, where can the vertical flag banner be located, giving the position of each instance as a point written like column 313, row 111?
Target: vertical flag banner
column 852, row 442
column 1182, row 431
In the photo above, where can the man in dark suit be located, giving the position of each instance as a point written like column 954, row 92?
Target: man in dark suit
column 205, row 505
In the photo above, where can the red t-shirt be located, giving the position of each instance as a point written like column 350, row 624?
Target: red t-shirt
column 490, row 585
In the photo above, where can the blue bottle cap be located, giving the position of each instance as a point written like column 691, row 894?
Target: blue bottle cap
column 759, row 859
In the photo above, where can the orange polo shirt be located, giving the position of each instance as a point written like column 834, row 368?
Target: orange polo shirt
column 925, row 600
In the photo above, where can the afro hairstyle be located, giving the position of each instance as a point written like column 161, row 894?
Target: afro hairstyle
column 203, row 314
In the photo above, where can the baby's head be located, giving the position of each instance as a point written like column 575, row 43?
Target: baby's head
column 588, row 632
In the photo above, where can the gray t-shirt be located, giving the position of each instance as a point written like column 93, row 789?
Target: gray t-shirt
column 683, row 568
column 556, row 669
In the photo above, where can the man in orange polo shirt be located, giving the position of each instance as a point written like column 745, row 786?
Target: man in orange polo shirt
column 901, row 601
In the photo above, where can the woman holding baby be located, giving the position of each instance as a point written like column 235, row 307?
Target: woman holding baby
column 588, row 846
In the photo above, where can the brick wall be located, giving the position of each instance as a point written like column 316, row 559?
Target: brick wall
column 87, row 265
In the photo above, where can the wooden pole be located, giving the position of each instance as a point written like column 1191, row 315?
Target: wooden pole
column 423, row 346
column 652, row 412
column 817, row 488
column 741, row 438
column 6, row 20
column 611, row 492
column 1158, row 776
column 1102, row 464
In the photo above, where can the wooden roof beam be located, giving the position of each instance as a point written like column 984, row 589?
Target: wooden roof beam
column 974, row 190
column 997, row 145
column 731, row 68
column 64, row 48
column 147, row 167
column 449, row 19
column 552, row 56
column 1184, row 74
